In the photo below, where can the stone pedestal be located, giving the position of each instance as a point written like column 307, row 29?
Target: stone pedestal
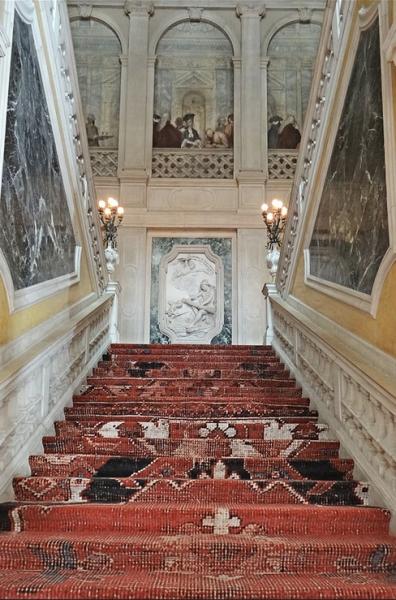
column 269, row 290
column 113, row 288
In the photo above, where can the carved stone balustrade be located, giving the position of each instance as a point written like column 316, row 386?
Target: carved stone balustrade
column 282, row 164
column 104, row 162
column 208, row 163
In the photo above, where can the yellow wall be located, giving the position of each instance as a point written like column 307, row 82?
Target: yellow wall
column 14, row 325
column 379, row 331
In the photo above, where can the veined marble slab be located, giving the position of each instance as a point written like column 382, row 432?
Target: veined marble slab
column 36, row 233
column 351, row 235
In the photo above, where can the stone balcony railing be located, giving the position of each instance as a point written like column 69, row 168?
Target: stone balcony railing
column 205, row 163
column 282, row 164
column 104, row 162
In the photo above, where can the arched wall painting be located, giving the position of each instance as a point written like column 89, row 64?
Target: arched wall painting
column 292, row 54
column 351, row 235
column 36, row 233
column 193, row 90
column 97, row 51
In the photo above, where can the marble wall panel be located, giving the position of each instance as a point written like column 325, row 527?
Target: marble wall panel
column 36, row 234
column 351, row 236
column 222, row 248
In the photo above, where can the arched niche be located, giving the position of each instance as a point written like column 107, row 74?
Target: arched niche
column 193, row 75
column 292, row 53
column 97, row 51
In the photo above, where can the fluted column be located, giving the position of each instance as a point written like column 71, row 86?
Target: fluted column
column 251, row 101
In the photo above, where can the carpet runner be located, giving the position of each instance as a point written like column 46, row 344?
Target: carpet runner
column 193, row 472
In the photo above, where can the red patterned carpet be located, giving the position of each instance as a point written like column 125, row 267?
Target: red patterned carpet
column 193, row 472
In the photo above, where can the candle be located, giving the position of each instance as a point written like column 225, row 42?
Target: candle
column 270, row 216
column 101, row 204
column 264, row 207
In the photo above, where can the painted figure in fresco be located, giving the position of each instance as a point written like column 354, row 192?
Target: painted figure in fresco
column 92, row 131
column 216, row 138
column 273, row 131
column 156, row 127
column 191, row 137
column 229, row 130
column 290, row 136
column 169, row 136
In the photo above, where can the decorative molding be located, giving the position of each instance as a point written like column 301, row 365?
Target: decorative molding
column 195, row 14
column 138, row 8
column 85, row 11
column 18, row 299
column 74, row 124
column 389, row 45
column 305, row 15
column 251, row 11
column 5, row 42
column 206, row 304
column 37, row 392
column 359, row 410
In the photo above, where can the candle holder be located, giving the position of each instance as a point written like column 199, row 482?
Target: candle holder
column 274, row 217
column 111, row 215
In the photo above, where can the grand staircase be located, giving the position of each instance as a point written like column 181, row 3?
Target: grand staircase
column 193, row 472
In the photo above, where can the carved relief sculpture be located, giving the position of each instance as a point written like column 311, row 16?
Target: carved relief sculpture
column 191, row 295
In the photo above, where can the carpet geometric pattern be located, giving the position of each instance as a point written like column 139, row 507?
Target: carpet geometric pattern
column 193, row 472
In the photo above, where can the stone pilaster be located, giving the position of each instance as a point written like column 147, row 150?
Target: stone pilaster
column 251, row 161
column 134, row 166
column 251, row 100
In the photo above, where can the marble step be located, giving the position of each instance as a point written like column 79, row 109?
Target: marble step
column 128, row 489
column 87, row 465
column 195, row 448
column 164, row 428
column 215, row 410
column 164, row 401
column 223, row 553
column 211, row 379
column 193, row 518
column 163, row 585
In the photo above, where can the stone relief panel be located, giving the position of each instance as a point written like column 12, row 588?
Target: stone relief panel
column 191, row 290
column 292, row 54
column 191, row 295
column 97, row 51
column 193, row 91
column 36, row 233
column 351, row 235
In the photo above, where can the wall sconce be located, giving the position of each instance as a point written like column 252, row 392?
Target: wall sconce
column 274, row 218
column 111, row 215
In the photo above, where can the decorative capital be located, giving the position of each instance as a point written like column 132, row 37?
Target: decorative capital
column 138, row 8
column 123, row 60
column 305, row 15
column 247, row 10
column 195, row 15
column 265, row 61
column 85, row 11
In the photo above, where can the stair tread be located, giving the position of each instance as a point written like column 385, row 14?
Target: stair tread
column 174, row 586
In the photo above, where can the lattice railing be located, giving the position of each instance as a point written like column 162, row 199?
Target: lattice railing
column 104, row 163
column 282, row 164
column 205, row 163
